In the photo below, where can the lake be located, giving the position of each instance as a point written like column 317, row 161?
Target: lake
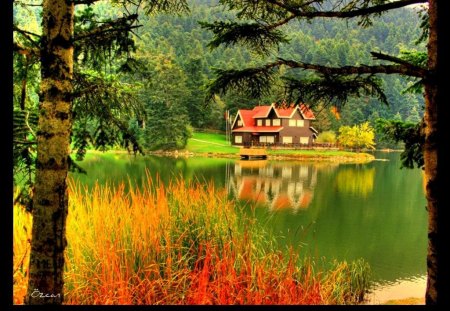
column 375, row 211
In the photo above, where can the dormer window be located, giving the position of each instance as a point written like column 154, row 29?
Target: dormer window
column 259, row 122
column 276, row 122
column 267, row 122
column 239, row 122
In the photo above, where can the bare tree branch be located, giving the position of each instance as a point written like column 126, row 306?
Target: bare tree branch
column 77, row 2
column 282, row 22
column 25, row 50
column 26, row 34
column 27, row 4
column 28, row 125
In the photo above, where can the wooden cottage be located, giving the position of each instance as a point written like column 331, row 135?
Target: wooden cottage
column 270, row 125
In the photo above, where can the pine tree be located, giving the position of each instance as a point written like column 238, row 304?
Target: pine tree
column 64, row 51
column 261, row 28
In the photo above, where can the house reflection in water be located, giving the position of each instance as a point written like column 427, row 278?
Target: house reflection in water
column 275, row 185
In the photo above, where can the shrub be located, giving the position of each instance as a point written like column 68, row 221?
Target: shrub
column 326, row 137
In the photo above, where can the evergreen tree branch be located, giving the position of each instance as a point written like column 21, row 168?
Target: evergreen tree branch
column 333, row 89
column 119, row 25
column 155, row 6
column 402, row 69
column 338, row 82
column 382, row 56
column 309, row 12
column 253, row 81
column 105, row 99
column 256, row 36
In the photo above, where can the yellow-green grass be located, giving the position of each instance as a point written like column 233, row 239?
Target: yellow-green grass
column 210, row 143
column 319, row 154
column 406, row 301
column 216, row 144
column 184, row 243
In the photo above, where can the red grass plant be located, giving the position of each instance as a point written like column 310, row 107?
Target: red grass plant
column 176, row 244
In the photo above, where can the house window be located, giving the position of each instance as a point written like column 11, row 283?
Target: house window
column 238, row 139
column 292, row 122
column 287, row 140
column 267, row 122
column 304, row 140
column 259, row 122
column 267, row 139
column 300, row 123
column 286, row 172
column 276, row 122
column 239, row 122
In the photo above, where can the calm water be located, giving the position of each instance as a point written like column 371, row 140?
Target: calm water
column 373, row 211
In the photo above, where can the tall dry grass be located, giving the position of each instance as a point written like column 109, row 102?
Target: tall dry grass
column 179, row 244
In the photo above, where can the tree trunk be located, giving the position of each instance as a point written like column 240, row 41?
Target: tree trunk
column 50, row 201
column 436, row 154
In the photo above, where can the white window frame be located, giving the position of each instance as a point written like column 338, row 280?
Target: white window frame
column 259, row 122
column 292, row 122
column 304, row 140
column 238, row 139
column 300, row 123
column 239, row 123
column 276, row 122
column 267, row 122
column 267, row 139
column 287, row 139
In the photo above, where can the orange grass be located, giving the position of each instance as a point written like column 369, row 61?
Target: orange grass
column 176, row 244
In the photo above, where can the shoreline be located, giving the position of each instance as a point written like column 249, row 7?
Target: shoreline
column 317, row 156
column 345, row 157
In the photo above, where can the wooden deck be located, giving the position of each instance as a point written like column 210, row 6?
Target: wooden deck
column 253, row 153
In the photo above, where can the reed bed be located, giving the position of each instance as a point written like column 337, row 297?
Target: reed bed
column 184, row 243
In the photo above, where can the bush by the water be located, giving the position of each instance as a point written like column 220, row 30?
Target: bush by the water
column 179, row 244
column 326, row 137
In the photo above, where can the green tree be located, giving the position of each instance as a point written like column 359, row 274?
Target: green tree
column 261, row 27
column 168, row 127
column 60, row 48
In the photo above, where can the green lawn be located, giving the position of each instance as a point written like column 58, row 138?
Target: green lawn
column 208, row 142
column 313, row 153
column 216, row 143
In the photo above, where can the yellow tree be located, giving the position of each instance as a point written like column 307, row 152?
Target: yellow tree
column 357, row 137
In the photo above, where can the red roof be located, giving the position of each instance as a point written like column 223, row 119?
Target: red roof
column 260, row 111
column 248, row 117
column 259, row 129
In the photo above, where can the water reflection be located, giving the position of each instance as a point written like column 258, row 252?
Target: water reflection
column 277, row 186
column 373, row 211
column 356, row 181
